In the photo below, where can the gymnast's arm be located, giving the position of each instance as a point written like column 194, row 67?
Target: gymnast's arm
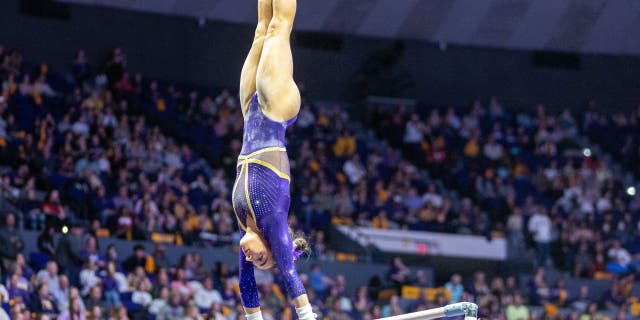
column 248, row 287
column 277, row 233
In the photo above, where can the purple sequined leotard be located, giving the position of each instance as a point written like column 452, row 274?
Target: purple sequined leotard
column 261, row 192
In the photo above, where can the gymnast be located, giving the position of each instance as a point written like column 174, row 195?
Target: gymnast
column 270, row 103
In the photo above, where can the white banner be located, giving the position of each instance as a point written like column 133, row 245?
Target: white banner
column 429, row 243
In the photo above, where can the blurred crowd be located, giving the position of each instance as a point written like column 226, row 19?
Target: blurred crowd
column 101, row 150
column 539, row 187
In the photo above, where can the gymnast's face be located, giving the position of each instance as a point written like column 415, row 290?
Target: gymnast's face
column 257, row 251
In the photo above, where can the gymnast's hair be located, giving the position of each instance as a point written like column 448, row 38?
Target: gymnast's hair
column 300, row 244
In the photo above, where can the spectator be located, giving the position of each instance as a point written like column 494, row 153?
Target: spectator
column 74, row 312
column 11, row 243
column 45, row 242
column 540, row 227
column 354, row 169
column 582, row 301
column 43, row 303
column 89, row 277
column 111, row 290
column 516, row 310
column 69, row 252
column 160, row 302
column 159, row 256
column 318, row 281
column 455, row 287
column 61, row 293
column 16, row 292
column 207, row 295
column 95, row 299
column 619, row 257
column 138, row 259
column 336, row 312
column 173, row 310
column 50, row 276
column 398, row 274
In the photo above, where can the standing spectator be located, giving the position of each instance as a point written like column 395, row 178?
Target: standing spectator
column 398, row 274
column 11, row 243
column 413, row 136
column 515, row 228
column 45, row 242
column 540, row 228
column 319, row 282
column 111, row 291
column 354, row 169
column 69, row 253
column 455, row 287
column 516, row 310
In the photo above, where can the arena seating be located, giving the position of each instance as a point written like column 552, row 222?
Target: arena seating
column 102, row 152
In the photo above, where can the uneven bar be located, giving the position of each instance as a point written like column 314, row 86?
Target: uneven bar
column 467, row 309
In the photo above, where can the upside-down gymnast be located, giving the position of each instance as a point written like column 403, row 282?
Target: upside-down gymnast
column 270, row 103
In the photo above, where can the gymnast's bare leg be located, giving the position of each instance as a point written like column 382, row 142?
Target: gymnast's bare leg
column 250, row 67
column 277, row 91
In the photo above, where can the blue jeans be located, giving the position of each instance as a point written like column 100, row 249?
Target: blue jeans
column 542, row 254
column 112, row 298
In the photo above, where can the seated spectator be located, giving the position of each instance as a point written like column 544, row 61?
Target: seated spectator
column 517, row 310
column 16, row 292
column 74, row 312
column 138, row 278
column 582, row 301
column 138, row 259
column 181, row 284
column 160, row 301
column 172, row 310
column 141, row 293
column 619, row 257
column 60, row 293
column 613, row 298
column 207, row 295
column 159, row 256
column 49, row 275
column 336, row 312
column 89, row 277
column 95, row 299
column 43, row 302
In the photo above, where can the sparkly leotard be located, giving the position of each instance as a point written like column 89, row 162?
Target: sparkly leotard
column 261, row 192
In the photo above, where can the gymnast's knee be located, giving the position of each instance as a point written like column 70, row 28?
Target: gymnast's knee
column 279, row 27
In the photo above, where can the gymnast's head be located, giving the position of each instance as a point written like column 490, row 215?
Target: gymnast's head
column 258, row 251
